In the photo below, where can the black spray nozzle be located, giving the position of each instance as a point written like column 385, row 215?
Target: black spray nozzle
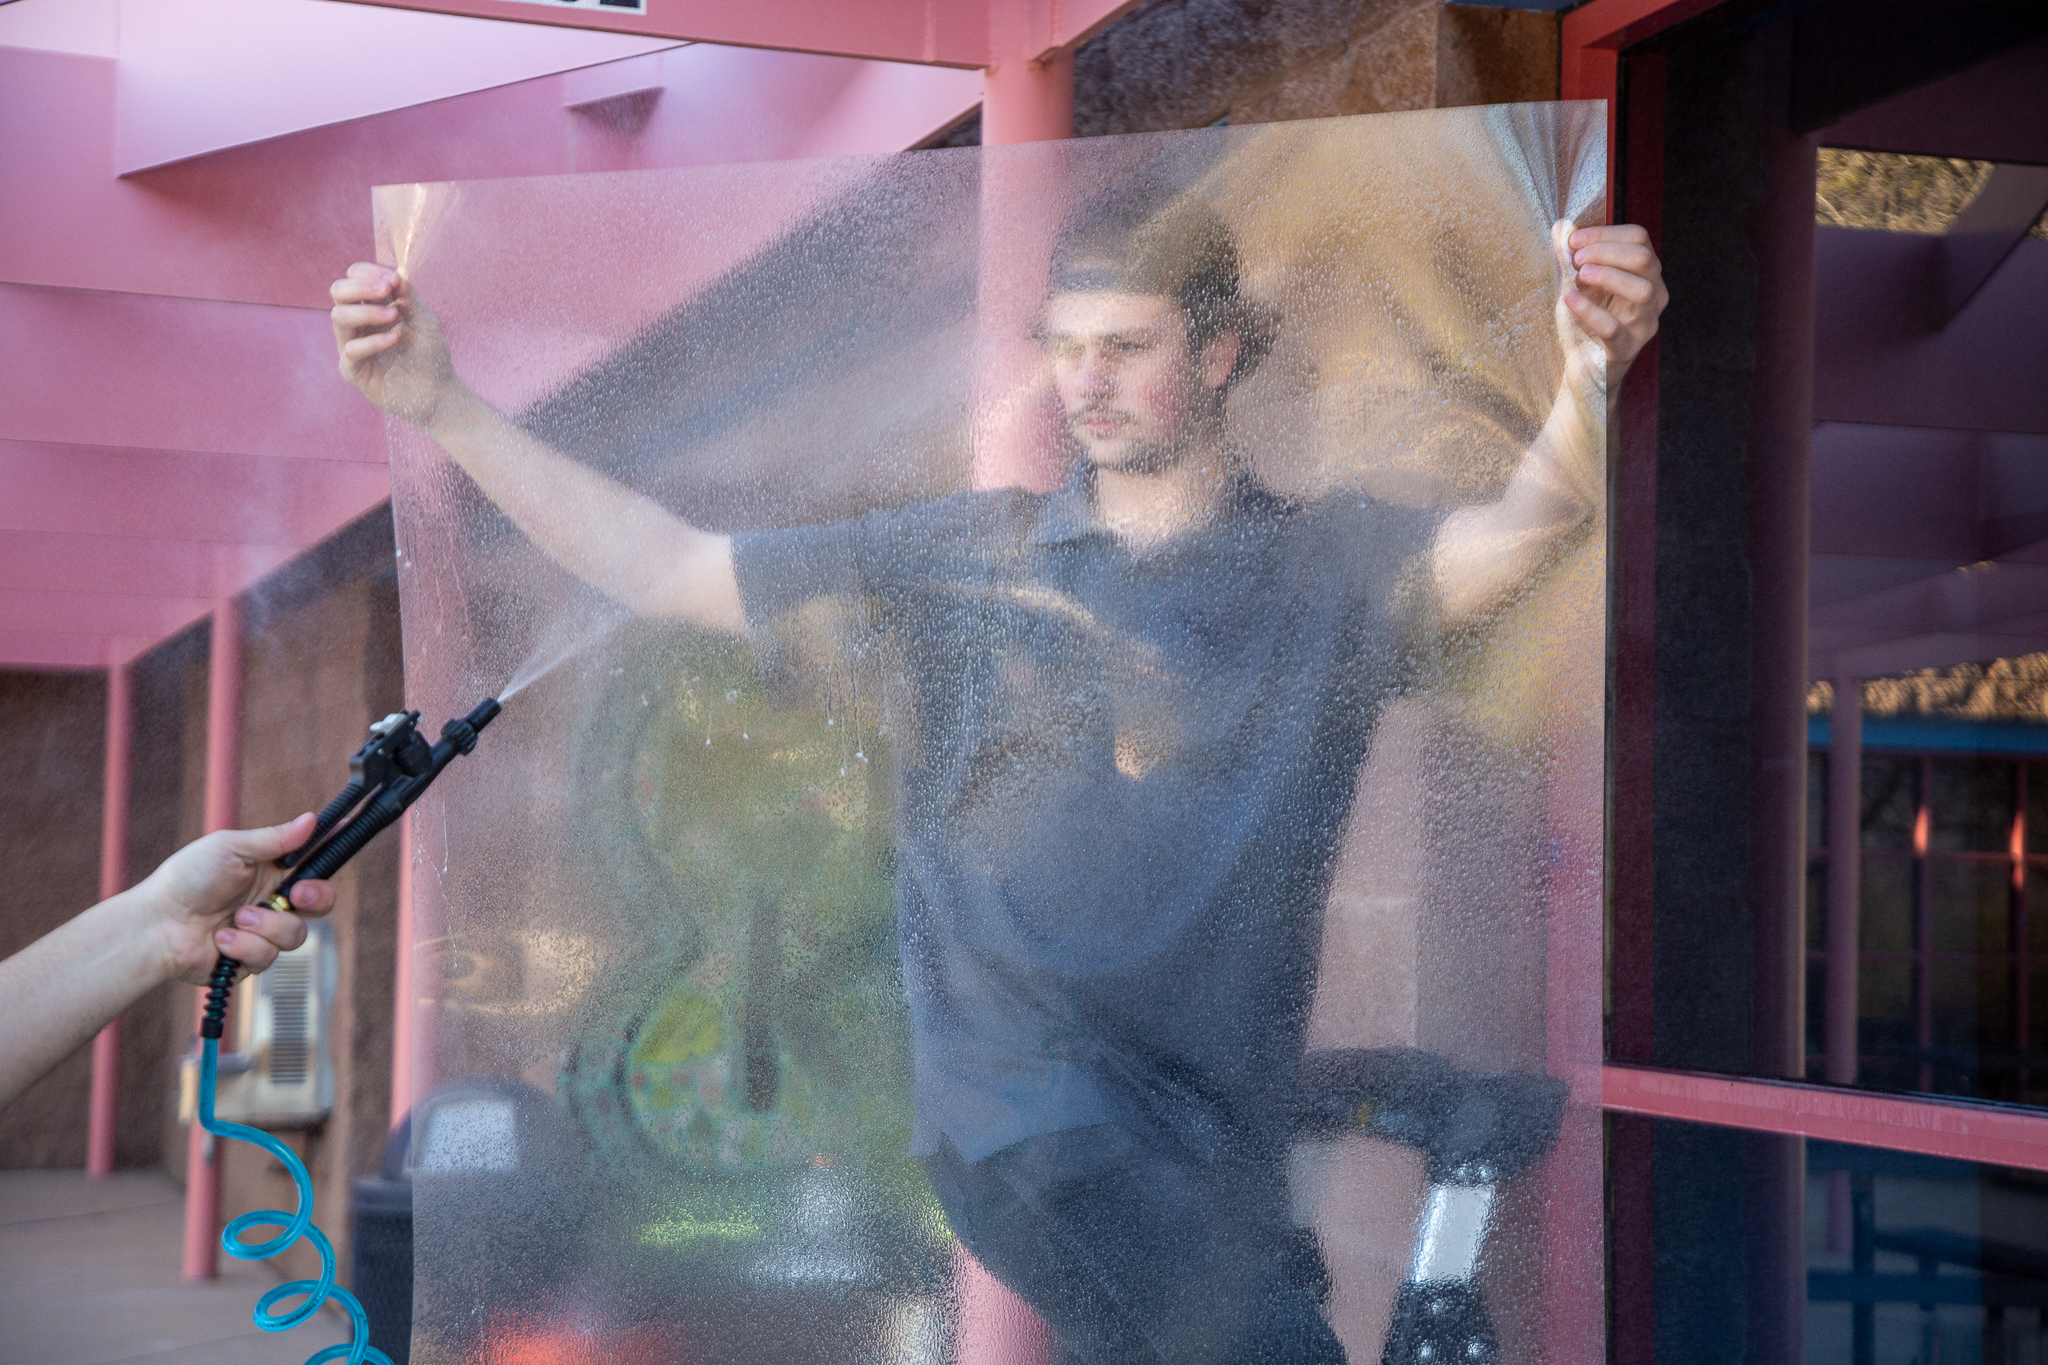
column 386, row 775
column 390, row 772
column 463, row 732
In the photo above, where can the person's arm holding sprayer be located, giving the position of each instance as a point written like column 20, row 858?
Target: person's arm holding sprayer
column 59, row 991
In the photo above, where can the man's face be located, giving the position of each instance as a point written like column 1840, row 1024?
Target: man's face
column 1133, row 393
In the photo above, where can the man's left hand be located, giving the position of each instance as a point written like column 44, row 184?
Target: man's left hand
column 1613, row 291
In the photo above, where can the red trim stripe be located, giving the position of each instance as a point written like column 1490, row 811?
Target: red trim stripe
column 1961, row 1131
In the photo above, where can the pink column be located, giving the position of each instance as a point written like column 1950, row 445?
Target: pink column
column 1845, row 799
column 1842, row 937
column 402, row 991
column 1022, row 101
column 223, row 811
column 1016, row 425
column 104, row 1111
column 1027, row 101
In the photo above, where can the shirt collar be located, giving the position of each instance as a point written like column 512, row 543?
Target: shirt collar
column 1068, row 513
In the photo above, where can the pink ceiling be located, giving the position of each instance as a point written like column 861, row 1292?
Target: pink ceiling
column 1930, row 460
column 196, row 76
column 171, row 423
column 967, row 33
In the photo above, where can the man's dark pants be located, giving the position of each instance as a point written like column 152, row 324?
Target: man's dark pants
column 1136, row 1251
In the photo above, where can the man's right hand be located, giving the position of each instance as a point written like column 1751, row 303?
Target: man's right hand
column 633, row 549
column 390, row 343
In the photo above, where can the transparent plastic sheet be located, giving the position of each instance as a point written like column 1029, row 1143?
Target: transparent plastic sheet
column 674, row 920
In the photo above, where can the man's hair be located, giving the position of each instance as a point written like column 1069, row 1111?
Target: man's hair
column 1143, row 237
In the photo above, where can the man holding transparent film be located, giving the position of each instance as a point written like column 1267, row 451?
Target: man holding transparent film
column 1133, row 714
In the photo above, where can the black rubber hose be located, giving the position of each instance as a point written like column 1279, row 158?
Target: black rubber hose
column 344, row 846
column 329, row 813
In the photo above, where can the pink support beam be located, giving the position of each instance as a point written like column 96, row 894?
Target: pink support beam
column 1996, row 1135
column 403, row 991
column 931, row 32
column 1878, row 359
column 197, row 76
column 1845, row 869
column 1023, row 100
column 104, row 1111
column 223, row 811
column 273, row 221
column 1993, row 111
column 935, row 32
column 193, row 375
column 1026, row 100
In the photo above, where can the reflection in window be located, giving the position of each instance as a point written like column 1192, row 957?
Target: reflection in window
column 1953, row 969
column 1913, row 1260
column 1901, row 1259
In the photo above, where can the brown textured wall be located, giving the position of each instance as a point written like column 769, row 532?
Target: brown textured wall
column 53, row 731
column 166, row 810
column 320, row 661
column 1189, row 63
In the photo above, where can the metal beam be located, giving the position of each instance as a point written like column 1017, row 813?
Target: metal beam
column 1995, row 1134
column 1996, row 111
column 1987, row 231
column 933, row 32
column 1878, row 361
column 928, row 32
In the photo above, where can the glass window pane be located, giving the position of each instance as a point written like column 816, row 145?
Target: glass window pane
column 2036, row 937
column 1902, row 1259
column 1816, row 1017
column 993, row 879
column 1971, row 804
column 1885, row 1034
column 2037, row 805
column 1891, row 800
column 1971, row 1005
column 1886, row 898
column 1969, row 906
column 1896, row 1247
column 1816, row 904
column 2037, row 1019
column 1816, row 800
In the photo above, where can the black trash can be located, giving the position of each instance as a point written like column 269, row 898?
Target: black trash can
column 380, row 1233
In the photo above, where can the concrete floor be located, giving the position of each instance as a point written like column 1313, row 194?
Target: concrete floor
column 89, row 1275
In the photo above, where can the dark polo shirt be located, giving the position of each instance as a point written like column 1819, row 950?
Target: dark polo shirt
column 1120, row 787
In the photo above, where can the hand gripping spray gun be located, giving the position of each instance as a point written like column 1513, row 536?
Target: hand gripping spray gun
column 386, row 775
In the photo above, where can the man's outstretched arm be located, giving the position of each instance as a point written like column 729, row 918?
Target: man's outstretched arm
column 624, row 544
column 1612, row 298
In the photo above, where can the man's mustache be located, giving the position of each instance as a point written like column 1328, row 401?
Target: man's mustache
column 1095, row 410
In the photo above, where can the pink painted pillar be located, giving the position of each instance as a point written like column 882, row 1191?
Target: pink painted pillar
column 104, row 1108
column 1845, row 839
column 1016, row 438
column 1022, row 101
column 1842, row 935
column 402, row 1002
column 223, row 811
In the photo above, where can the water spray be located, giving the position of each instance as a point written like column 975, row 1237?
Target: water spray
column 390, row 772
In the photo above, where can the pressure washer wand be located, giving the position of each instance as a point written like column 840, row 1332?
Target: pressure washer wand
column 386, row 775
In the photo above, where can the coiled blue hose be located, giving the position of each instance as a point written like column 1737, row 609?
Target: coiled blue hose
column 357, row 1349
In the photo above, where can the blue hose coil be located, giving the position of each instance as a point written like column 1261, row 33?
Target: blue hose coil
column 292, row 1227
